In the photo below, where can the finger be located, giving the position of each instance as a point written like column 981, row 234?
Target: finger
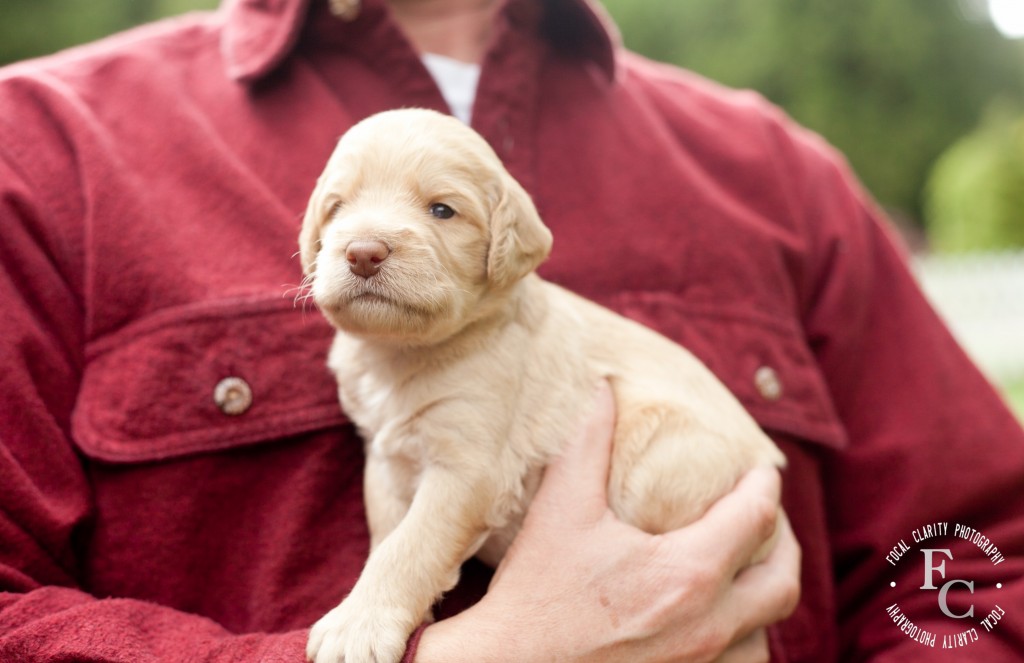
column 580, row 473
column 769, row 591
column 753, row 648
column 741, row 521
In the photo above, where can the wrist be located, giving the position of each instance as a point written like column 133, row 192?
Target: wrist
column 473, row 636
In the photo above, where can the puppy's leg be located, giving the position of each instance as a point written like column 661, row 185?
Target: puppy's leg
column 387, row 495
column 407, row 572
column 668, row 466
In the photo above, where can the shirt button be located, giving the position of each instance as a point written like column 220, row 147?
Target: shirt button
column 768, row 383
column 346, row 10
column 233, row 396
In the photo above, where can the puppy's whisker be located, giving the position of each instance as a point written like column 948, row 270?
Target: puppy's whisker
column 303, row 293
column 294, row 291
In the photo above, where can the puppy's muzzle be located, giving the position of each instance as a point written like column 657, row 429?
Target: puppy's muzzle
column 366, row 256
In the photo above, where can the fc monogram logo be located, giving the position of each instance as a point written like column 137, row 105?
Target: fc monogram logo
column 945, row 578
column 929, row 570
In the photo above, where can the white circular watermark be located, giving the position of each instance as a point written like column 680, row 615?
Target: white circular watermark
column 945, row 556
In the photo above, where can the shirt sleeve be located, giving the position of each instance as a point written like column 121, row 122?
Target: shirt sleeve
column 45, row 498
column 932, row 444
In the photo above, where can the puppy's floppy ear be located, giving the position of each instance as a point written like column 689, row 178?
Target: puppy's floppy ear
column 312, row 223
column 519, row 239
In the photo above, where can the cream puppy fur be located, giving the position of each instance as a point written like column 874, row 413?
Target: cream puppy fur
column 464, row 372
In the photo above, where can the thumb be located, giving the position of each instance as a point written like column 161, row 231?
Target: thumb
column 579, row 475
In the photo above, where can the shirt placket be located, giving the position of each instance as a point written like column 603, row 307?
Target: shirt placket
column 506, row 105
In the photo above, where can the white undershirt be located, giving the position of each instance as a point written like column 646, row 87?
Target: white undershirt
column 457, row 81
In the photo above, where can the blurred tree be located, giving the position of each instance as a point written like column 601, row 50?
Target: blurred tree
column 29, row 28
column 891, row 84
column 975, row 195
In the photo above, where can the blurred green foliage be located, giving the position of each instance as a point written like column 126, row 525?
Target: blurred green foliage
column 37, row 27
column 975, row 196
column 891, row 83
column 1015, row 396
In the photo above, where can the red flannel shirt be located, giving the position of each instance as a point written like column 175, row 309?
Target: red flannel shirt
column 151, row 187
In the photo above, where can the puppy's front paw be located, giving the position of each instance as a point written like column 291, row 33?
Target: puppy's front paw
column 356, row 632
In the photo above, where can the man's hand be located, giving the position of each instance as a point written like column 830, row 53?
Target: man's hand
column 580, row 585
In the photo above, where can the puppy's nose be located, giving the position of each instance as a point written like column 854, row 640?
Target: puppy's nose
column 365, row 257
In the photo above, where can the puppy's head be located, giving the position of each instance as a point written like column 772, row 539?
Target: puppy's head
column 415, row 228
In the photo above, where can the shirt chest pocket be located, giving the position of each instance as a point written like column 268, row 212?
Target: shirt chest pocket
column 761, row 358
column 205, row 378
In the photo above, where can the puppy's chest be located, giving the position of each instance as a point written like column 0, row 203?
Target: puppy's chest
column 386, row 405
column 373, row 402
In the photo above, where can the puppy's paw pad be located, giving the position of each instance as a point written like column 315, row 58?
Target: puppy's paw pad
column 350, row 634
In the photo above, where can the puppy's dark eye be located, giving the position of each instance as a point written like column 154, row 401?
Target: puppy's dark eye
column 441, row 211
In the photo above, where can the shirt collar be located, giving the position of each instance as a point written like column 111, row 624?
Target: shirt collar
column 259, row 34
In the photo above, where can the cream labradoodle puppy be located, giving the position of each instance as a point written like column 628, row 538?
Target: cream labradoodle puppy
column 464, row 372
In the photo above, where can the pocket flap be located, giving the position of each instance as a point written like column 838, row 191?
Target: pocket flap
column 762, row 359
column 150, row 391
